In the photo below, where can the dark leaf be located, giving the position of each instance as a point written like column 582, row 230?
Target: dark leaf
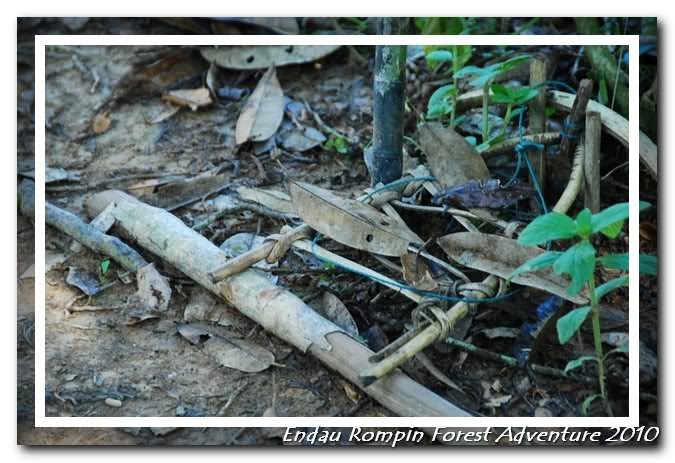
column 488, row 193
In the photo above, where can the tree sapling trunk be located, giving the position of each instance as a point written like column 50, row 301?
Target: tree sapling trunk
column 385, row 158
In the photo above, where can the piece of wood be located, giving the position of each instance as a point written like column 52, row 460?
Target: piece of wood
column 537, row 119
column 87, row 234
column 275, row 308
column 592, row 161
column 613, row 123
column 423, row 339
column 575, row 118
column 574, row 185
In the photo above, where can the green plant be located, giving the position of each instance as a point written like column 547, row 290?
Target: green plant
column 337, row 144
column 484, row 78
column 444, row 100
column 512, row 98
column 579, row 262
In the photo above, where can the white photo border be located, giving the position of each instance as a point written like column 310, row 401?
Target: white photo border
column 41, row 41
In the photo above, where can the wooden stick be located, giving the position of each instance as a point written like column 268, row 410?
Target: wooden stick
column 537, row 118
column 88, row 235
column 544, row 138
column 275, row 308
column 575, row 118
column 574, row 185
column 425, row 338
column 592, row 161
column 255, row 255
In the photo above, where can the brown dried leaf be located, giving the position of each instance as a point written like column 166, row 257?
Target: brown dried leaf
column 277, row 200
column 349, row 221
column 244, row 57
column 331, row 307
column 452, row 160
column 193, row 98
column 165, row 114
column 228, row 351
column 101, row 123
column 212, row 79
column 154, row 292
column 500, row 256
column 263, row 112
column 416, row 272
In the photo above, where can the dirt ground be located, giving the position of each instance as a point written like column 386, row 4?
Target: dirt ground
column 103, row 354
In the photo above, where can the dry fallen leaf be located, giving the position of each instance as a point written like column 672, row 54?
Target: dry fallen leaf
column 154, row 292
column 416, row 272
column 331, row 307
column 263, row 56
column 165, row 114
column 263, row 112
column 349, row 221
column 452, row 160
column 101, row 123
column 500, row 256
column 194, row 98
column 226, row 350
column 212, row 79
column 277, row 200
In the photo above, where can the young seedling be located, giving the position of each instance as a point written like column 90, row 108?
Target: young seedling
column 444, row 99
column 512, row 98
column 484, row 78
column 579, row 262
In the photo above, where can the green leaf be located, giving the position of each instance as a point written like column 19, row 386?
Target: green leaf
column 548, row 227
column 611, row 285
column 576, row 363
column 648, row 264
column 462, row 55
column 583, row 222
column 511, row 63
column 609, row 216
column 486, row 74
column 615, row 261
column 440, row 102
column 500, row 94
column 549, row 111
column 522, row 95
column 541, row 261
column 105, row 264
column 579, row 262
column 436, row 57
column 587, row 403
column 613, row 230
column 570, row 323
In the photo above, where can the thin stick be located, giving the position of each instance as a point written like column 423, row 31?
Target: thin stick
column 507, row 146
column 592, row 161
column 537, row 117
column 575, row 118
column 574, row 185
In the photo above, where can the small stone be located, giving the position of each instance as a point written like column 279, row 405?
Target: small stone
column 113, row 402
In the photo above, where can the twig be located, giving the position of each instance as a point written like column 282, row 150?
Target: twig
column 609, row 174
column 592, row 161
column 107, row 181
column 243, row 206
column 574, row 185
column 575, row 118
